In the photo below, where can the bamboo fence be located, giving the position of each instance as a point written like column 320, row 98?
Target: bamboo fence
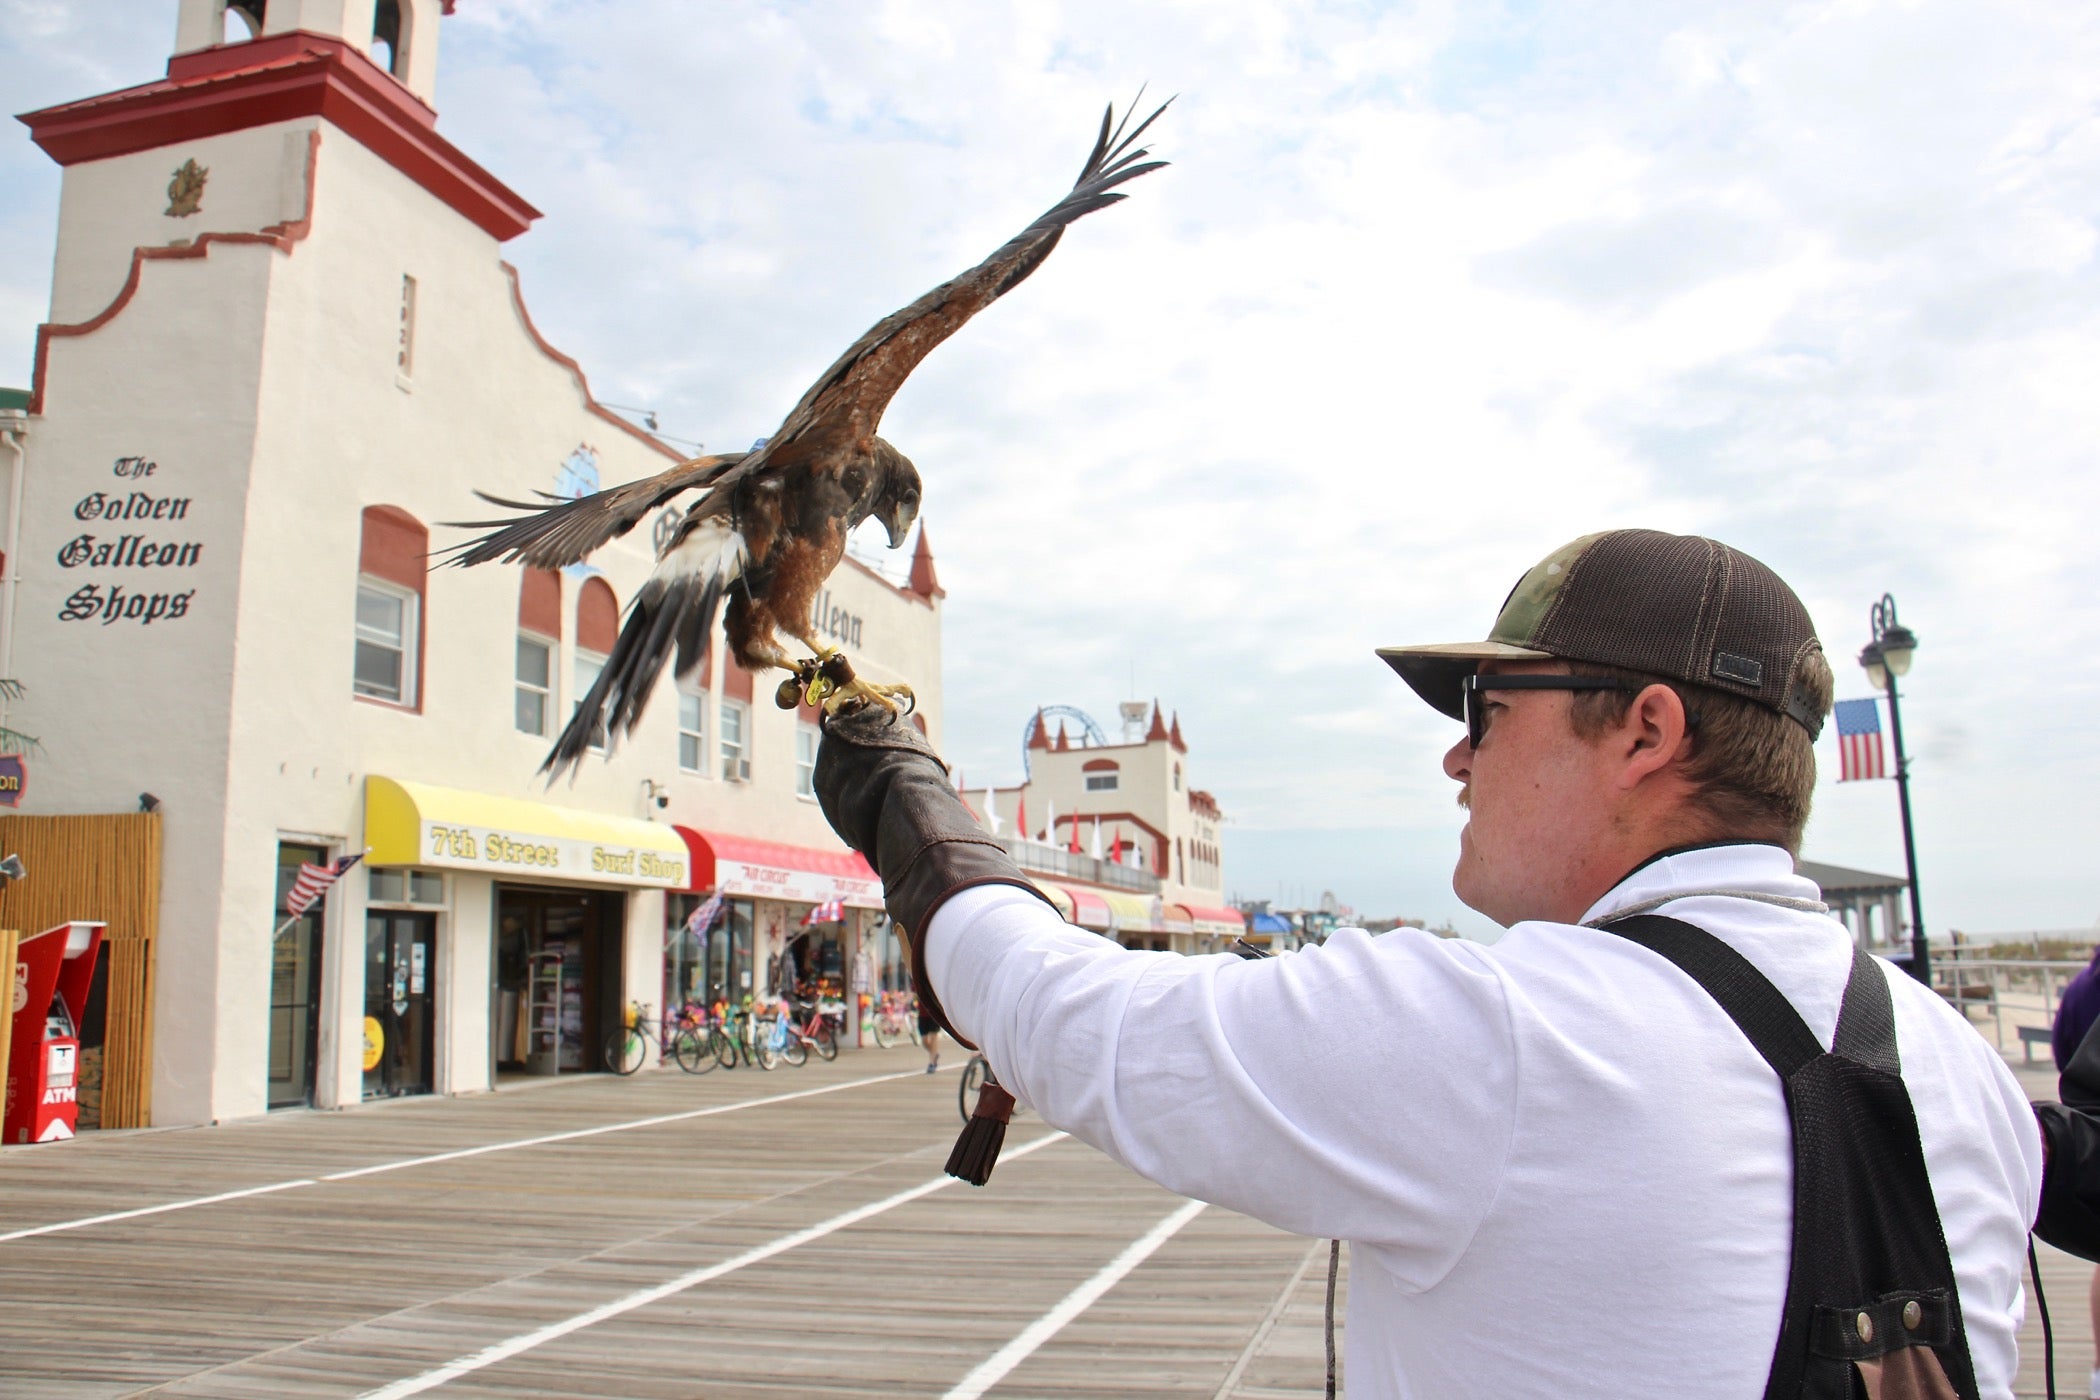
column 106, row 868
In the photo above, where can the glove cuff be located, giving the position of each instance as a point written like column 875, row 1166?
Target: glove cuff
column 928, row 849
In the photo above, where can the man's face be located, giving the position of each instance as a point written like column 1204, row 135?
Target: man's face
column 1537, row 798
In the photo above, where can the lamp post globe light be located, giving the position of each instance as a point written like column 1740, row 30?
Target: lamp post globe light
column 1885, row 658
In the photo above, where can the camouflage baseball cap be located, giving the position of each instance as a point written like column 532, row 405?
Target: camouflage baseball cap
column 1678, row 606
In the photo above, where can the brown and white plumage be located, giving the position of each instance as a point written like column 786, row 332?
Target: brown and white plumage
column 773, row 522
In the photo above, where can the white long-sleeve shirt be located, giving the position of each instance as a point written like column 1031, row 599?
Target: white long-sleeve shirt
column 1562, row 1170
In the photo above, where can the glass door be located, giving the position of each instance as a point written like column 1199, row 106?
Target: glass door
column 400, row 1003
column 295, row 986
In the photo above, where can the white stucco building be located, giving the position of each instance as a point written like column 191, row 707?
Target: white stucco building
column 282, row 344
column 1117, row 833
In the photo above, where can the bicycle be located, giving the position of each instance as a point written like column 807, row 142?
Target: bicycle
column 693, row 1044
column 746, row 1037
column 896, row 1019
column 973, row 1077
column 798, row 1032
column 627, row 1044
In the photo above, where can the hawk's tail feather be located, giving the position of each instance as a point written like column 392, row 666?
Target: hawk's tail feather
column 672, row 613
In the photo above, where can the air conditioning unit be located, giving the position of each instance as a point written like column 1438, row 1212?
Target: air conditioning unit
column 737, row 770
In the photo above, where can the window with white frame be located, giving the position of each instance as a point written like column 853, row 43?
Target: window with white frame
column 588, row 665
column 736, row 748
column 535, row 684
column 385, row 666
column 806, row 760
column 692, row 732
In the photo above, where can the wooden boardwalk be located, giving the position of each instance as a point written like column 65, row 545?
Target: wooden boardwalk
column 557, row 1241
column 343, row 1287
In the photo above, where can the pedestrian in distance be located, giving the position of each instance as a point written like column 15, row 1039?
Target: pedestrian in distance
column 1570, row 1163
column 930, row 1037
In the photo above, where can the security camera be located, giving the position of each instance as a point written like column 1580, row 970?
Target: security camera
column 662, row 801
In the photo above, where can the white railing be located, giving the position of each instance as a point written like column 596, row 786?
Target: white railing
column 2024, row 990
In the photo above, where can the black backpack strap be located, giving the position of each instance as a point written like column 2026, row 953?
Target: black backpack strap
column 1866, row 1028
column 1753, row 1003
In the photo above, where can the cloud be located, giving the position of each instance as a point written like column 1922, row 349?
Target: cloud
column 1426, row 292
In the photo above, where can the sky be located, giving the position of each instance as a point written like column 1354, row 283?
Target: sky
column 1427, row 291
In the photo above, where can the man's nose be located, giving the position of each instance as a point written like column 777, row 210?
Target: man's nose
column 1458, row 761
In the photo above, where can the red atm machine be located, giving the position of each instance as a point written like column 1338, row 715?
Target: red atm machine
column 52, row 973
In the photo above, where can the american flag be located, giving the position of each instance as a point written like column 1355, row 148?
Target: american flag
column 313, row 882
column 704, row 917
column 829, row 912
column 1859, row 740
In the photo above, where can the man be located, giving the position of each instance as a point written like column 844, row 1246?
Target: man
column 1563, row 1169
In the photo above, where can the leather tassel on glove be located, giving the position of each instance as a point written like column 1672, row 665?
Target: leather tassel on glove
column 886, row 793
column 977, row 1150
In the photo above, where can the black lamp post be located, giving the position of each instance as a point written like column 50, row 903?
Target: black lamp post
column 1887, row 657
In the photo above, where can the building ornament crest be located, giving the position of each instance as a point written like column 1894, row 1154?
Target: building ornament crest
column 186, row 190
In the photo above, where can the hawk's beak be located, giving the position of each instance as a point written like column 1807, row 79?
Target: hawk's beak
column 899, row 524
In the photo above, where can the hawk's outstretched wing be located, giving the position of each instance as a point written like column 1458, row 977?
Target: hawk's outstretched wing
column 554, row 537
column 844, row 407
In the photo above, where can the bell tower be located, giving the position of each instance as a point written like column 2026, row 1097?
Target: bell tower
column 399, row 36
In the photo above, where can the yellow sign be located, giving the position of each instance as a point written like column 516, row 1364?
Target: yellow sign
column 375, row 1042
column 443, row 828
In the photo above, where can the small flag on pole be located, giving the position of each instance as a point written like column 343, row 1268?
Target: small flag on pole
column 704, row 917
column 313, row 882
column 829, row 912
column 1859, row 740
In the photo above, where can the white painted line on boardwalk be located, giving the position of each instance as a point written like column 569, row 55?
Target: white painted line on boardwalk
column 1076, row 1302
column 503, row 1351
column 571, row 1136
column 154, row 1210
column 510, row 1146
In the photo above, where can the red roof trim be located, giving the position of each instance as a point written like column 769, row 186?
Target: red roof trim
column 235, row 87
column 1216, row 916
column 279, row 236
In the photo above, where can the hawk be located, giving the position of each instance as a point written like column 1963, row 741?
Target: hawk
column 772, row 523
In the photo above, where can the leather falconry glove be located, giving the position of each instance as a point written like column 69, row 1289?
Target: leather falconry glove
column 886, row 793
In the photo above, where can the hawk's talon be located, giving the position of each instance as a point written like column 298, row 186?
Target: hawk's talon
column 897, row 699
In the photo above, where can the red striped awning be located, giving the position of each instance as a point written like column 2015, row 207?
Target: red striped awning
column 1230, row 922
column 753, row 869
column 1089, row 909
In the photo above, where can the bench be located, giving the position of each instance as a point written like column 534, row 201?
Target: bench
column 2031, row 1036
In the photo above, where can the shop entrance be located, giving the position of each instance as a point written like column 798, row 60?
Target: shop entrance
column 295, row 986
column 400, row 1003
column 557, row 991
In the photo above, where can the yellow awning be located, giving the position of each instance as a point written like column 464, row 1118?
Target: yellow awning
column 450, row 829
column 1133, row 912
column 1056, row 896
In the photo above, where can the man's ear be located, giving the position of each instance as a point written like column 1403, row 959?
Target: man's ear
column 1653, row 734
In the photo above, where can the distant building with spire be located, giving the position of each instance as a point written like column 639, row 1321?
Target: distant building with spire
column 1158, row 878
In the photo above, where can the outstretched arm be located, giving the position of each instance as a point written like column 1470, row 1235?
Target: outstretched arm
column 1244, row 1083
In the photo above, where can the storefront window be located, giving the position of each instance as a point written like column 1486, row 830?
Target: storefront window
column 404, row 886
column 728, row 954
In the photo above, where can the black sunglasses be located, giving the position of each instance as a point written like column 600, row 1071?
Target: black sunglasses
column 1476, row 708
